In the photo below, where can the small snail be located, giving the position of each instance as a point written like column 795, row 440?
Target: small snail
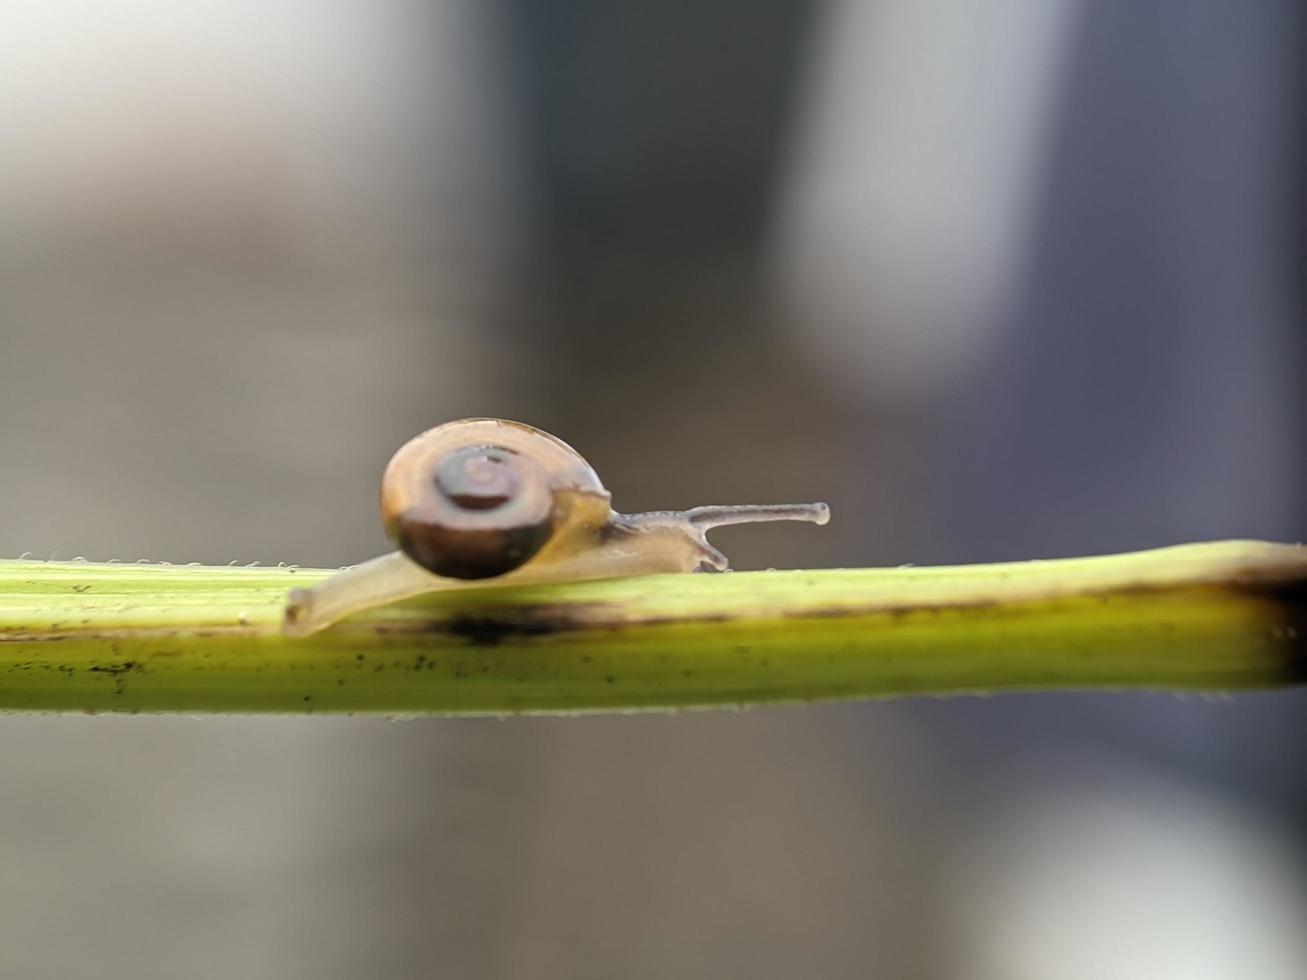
column 484, row 502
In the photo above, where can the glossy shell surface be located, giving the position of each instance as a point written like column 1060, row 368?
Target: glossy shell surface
column 478, row 498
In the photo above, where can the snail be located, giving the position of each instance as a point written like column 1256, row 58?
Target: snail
column 488, row 502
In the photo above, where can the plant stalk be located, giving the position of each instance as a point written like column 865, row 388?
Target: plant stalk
column 78, row 636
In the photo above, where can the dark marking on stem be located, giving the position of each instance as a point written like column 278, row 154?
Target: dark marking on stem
column 490, row 626
column 118, row 672
column 22, row 634
column 1289, row 629
column 896, row 612
column 115, row 669
column 493, row 629
column 489, row 631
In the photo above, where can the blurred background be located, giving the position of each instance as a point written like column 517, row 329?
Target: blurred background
column 1008, row 280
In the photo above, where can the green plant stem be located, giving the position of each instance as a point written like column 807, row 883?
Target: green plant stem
column 76, row 636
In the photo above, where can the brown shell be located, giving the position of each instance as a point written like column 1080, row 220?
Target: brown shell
column 478, row 498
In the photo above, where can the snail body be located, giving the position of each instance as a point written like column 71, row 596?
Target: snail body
column 488, row 502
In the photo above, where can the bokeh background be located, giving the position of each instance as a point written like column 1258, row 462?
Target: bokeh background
column 999, row 280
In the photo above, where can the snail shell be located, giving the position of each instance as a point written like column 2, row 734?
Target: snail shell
column 481, row 497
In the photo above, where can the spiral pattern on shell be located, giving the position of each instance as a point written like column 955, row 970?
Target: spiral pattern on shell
column 478, row 498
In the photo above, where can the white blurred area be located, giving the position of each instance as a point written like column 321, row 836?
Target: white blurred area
column 1131, row 876
column 906, row 225
column 320, row 120
column 247, row 249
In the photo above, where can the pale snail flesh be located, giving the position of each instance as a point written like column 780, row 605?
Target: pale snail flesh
column 488, row 502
